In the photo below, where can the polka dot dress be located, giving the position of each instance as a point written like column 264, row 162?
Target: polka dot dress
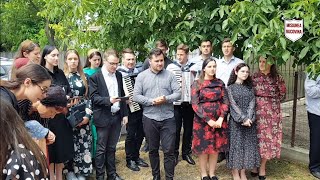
column 22, row 164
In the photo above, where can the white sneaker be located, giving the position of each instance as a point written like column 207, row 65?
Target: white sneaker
column 80, row 177
column 71, row 176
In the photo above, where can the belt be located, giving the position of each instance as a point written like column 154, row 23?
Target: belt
column 115, row 113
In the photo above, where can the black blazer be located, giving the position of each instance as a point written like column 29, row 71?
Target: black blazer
column 99, row 95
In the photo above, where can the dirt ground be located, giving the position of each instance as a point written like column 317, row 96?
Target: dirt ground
column 276, row 170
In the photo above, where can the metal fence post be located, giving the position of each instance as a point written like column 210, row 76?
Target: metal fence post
column 294, row 108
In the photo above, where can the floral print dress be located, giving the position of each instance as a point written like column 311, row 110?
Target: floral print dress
column 209, row 101
column 243, row 149
column 82, row 136
column 269, row 93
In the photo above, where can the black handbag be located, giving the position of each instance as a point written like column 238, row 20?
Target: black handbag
column 76, row 113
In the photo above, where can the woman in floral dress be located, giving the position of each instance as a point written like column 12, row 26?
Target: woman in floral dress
column 210, row 103
column 82, row 161
column 243, row 150
column 270, row 90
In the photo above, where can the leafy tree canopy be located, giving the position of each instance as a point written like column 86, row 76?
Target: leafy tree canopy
column 255, row 26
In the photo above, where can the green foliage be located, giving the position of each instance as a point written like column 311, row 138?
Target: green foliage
column 19, row 21
column 256, row 27
column 260, row 24
column 136, row 24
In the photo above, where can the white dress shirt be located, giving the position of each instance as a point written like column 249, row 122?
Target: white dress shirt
column 112, row 85
column 225, row 68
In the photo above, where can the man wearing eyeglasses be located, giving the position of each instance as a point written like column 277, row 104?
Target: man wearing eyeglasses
column 108, row 112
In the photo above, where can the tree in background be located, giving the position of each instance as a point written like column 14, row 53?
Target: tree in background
column 260, row 24
column 256, row 26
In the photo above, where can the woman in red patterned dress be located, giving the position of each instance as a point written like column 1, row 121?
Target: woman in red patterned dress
column 270, row 90
column 211, row 105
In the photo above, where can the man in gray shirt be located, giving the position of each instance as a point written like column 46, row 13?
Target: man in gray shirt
column 312, row 87
column 156, row 89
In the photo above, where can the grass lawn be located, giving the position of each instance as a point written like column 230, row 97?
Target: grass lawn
column 276, row 169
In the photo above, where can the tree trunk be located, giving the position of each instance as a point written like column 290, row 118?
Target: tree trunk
column 49, row 34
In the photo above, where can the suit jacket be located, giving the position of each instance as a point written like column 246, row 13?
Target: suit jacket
column 100, row 98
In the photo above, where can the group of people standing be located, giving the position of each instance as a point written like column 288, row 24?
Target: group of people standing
column 221, row 107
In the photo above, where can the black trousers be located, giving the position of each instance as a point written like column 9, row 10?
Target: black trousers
column 106, row 146
column 135, row 136
column 184, row 116
column 164, row 131
column 314, row 153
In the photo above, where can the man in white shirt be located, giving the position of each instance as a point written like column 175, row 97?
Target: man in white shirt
column 205, row 52
column 183, row 112
column 109, row 111
column 228, row 62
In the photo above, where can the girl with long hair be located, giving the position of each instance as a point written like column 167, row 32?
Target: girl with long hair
column 82, row 161
column 210, row 104
column 31, row 83
column 93, row 62
column 20, row 157
column 27, row 49
column 243, row 142
column 62, row 150
column 92, row 65
column 270, row 90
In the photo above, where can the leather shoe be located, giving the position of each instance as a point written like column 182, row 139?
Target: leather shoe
column 206, row 178
column 254, row 174
column 114, row 177
column 262, row 177
column 316, row 174
column 133, row 166
column 189, row 159
column 140, row 162
column 157, row 177
column 214, row 178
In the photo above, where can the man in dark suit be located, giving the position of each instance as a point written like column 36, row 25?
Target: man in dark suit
column 108, row 112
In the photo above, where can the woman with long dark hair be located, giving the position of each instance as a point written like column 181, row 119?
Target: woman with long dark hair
column 31, row 83
column 62, row 150
column 210, row 104
column 243, row 149
column 270, row 90
column 93, row 62
column 20, row 157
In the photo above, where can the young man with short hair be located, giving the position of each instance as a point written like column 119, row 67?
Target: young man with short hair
column 156, row 89
column 183, row 111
